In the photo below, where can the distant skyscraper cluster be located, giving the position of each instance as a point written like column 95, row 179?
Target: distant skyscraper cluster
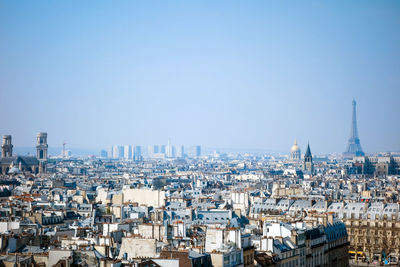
column 128, row 152
column 136, row 152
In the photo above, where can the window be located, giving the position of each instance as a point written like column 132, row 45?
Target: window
column 226, row 260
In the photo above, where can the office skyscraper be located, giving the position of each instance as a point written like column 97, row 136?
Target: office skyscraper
column 194, row 152
column 127, row 152
column 162, row 149
column 180, row 151
column 168, row 149
column 103, row 153
column 137, row 155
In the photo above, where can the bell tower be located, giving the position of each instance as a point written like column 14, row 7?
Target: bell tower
column 6, row 147
column 308, row 163
column 41, row 146
column 41, row 150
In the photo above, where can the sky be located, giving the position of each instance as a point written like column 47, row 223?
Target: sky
column 229, row 74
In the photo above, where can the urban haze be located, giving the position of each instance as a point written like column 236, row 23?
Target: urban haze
column 199, row 133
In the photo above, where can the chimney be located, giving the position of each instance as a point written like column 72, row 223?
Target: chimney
column 330, row 218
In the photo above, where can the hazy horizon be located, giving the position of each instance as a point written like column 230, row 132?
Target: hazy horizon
column 77, row 151
column 230, row 74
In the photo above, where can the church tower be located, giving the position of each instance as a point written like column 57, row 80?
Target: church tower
column 41, row 150
column 308, row 163
column 6, row 147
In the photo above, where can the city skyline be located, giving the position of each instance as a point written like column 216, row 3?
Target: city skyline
column 85, row 151
column 199, row 133
column 353, row 141
column 217, row 74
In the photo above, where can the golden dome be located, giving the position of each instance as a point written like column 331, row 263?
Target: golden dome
column 295, row 147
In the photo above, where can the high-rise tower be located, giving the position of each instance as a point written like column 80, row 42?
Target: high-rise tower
column 168, row 149
column 354, row 146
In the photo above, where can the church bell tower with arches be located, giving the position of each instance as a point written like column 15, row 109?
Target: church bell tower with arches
column 41, row 150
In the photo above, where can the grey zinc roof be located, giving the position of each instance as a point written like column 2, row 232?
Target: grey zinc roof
column 375, row 210
column 284, row 204
column 320, row 205
column 391, row 209
column 269, row 204
column 25, row 160
column 355, row 209
column 214, row 216
column 301, row 204
column 30, row 160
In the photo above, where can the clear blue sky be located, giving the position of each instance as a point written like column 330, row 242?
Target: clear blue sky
column 239, row 74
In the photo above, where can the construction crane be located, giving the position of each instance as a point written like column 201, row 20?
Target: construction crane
column 63, row 151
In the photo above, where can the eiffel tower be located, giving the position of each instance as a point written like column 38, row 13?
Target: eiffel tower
column 354, row 146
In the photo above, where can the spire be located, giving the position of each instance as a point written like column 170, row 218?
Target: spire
column 308, row 152
column 308, row 163
column 354, row 132
column 354, row 146
column 295, row 142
